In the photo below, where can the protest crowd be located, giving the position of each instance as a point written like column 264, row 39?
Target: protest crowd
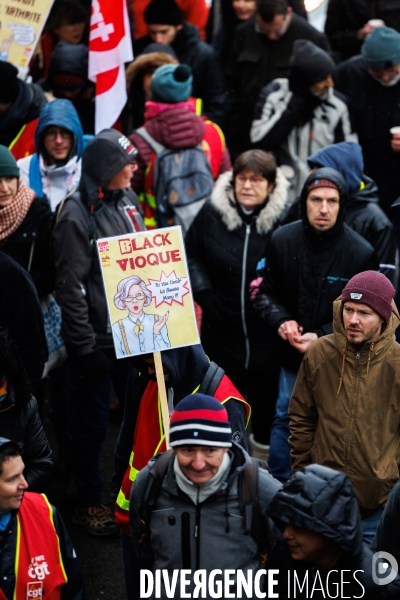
column 258, row 452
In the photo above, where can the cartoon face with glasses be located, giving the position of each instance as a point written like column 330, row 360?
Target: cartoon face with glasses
column 138, row 332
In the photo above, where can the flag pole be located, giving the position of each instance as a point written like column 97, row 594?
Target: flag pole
column 163, row 394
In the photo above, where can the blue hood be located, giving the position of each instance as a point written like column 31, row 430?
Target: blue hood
column 345, row 157
column 61, row 113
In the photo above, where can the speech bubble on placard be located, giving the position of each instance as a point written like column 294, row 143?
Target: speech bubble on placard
column 168, row 289
column 24, row 35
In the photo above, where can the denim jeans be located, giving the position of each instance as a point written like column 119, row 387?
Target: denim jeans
column 279, row 454
column 370, row 526
column 90, row 400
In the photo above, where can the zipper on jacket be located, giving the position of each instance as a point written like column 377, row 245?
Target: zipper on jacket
column 185, row 540
column 243, row 296
column 197, row 530
column 358, row 355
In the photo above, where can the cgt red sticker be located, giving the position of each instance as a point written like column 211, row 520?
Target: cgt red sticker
column 103, row 247
column 34, row 590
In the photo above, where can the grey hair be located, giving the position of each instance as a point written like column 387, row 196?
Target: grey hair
column 123, row 290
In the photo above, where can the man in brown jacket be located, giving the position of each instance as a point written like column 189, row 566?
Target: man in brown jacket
column 345, row 408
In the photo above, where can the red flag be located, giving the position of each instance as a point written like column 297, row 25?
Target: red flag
column 110, row 47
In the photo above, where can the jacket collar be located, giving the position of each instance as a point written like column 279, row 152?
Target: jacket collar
column 222, row 199
column 373, row 352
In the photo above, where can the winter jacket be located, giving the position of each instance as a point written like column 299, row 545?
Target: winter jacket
column 255, row 62
column 31, row 243
column 208, row 535
column 375, row 109
column 174, row 127
column 344, row 411
column 54, row 181
column 186, row 370
column 207, row 75
column 133, row 114
column 321, row 500
column 223, row 250
column 22, row 317
column 280, row 125
column 72, row 590
column 84, row 217
column 24, row 109
column 345, row 17
column 306, row 271
column 20, row 422
column 363, row 213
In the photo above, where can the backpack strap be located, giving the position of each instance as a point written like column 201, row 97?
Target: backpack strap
column 88, row 216
column 154, row 145
column 253, row 519
column 154, row 481
column 211, row 379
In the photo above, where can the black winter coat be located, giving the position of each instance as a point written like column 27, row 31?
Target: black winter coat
column 33, row 235
column 223, row 251
column 255, row 62
column 374, row 109
column 346, row 17
column 22, row 317
column 87, row 216
column 364, row 215
column 21, row 423
column 306, row 272
column 204, row 62
column 322, row 500
column 25, row 108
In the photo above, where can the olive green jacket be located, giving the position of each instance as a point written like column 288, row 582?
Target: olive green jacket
column 345, row 410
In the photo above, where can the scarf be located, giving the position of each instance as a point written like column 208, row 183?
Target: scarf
column 13, row 215
column 199, row 493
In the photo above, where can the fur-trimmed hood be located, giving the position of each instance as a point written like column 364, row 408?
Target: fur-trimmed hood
column 147, row 62
column 223, row 201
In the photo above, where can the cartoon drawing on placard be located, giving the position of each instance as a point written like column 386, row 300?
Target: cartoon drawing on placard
column 139, row 331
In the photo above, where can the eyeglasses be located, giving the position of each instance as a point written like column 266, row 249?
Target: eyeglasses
column 133, row 298
column 254, row 181
column 51, row 134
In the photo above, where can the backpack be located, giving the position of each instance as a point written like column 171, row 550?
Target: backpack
column 182, row 181
column 253, row 520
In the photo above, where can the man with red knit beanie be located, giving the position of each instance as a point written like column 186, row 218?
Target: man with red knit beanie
column 344, row 412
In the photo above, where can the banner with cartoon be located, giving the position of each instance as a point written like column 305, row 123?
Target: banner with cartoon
column 21, row 24
column 148, row 291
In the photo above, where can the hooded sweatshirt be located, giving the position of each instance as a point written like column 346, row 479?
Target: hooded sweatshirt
column 292, row 121
column 54, row 181
column 92, row 212
column 344, row 412
column 363, row 213
column 321, row 500
column 306, row 270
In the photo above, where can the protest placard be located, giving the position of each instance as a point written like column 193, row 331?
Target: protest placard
column 21, row 24
column 148, row 291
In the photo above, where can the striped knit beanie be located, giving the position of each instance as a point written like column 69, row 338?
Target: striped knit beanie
column 200, row 420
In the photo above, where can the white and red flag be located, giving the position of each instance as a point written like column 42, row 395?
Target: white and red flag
column 110, row 47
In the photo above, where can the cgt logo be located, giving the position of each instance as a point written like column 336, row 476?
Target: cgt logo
column 384, row 568
column 34, row 590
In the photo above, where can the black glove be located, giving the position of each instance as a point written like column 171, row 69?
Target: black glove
column 96, row 363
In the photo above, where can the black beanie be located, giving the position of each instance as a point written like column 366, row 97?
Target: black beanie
column 9, row 88
column 309, row 63
column 163, row 12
